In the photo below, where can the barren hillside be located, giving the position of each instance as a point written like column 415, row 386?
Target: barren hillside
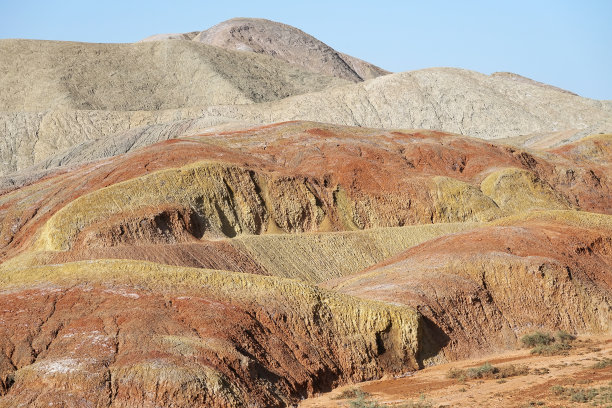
column 454, row 100
column 218, row 241
column 245, row 217
column 280, row 41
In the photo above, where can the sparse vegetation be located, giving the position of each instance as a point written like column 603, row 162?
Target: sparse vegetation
column 537, row 339
column 547, row 344
column 551, row 349
column 541, row 371
column 606, row 362
column 362, row 400
column 352, row 393
column 422, row 402
column 488, row 371
column 596, row 396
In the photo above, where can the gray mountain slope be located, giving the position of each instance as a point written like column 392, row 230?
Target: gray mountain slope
column 40, row 75
column 454, row 100
column 283, row 42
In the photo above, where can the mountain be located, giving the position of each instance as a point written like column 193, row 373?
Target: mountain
column 239, row 217
column 283, row 42
column 450, row 99
column 180, row 266
column 42, row 75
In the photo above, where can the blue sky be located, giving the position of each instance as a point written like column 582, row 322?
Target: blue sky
column 563, row 43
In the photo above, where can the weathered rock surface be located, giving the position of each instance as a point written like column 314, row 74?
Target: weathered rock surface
column 484, row 288
column 280, row 41
column 43, row 75
column 445, row 226
column 292, row 177
column 118, row 333
column 453, row 100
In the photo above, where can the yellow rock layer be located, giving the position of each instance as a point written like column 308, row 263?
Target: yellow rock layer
column 516, row 190
column 316, row 257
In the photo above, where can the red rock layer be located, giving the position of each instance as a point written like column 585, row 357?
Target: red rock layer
column 386, row 175
column 484, row 288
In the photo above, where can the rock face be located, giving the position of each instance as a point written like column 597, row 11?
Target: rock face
column 120, row 333
column 292, row 177
column 467, row 284
column 281, row 41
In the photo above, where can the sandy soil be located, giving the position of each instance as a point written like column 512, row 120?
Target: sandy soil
column 432, row 388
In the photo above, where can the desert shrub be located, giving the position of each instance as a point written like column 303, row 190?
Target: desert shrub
column 420, row 403
column 606, row 362
column 488, row 371
column 551, row 349
column 541, row 371
column 564, row 337
column 557, row 389
column 537, row 339
column 456, row 374
column 512, row 371
column 597, row 396
column 484, row 371
column 548, row 345
column 362, row 401
column 351, row 393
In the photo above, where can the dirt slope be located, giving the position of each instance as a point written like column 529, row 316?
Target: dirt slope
column 248, row 221
column 453, row 100
column 550, row 381
column 467, row 283
column 42, row 75
column 119, row 333
column 281, row 41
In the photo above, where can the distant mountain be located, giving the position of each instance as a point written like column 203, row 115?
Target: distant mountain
column 280, row 41
column 41, row 75
column 66, row 103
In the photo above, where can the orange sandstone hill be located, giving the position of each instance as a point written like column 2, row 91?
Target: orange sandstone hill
column 262, row 266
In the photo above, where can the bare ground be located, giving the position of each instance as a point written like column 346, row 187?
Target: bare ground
column 432, row 388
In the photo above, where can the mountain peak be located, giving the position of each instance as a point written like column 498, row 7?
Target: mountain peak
column 281, row 41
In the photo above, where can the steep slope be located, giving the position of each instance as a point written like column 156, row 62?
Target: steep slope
column 119, row 333
column 453, row 100
column 281, row 41
column 446, row 226
column 291, row 177
column 484, row 288
column 41, row 75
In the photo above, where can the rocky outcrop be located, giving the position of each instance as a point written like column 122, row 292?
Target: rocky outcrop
column 445, row 226
column 484, row 288
column 118, row 333
column 266, row 181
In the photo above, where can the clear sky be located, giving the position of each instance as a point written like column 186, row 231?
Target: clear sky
column 563, row 43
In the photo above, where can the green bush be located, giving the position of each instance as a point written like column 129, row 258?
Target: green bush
column 551, row 349
column 537, row 339
column 488, row 371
